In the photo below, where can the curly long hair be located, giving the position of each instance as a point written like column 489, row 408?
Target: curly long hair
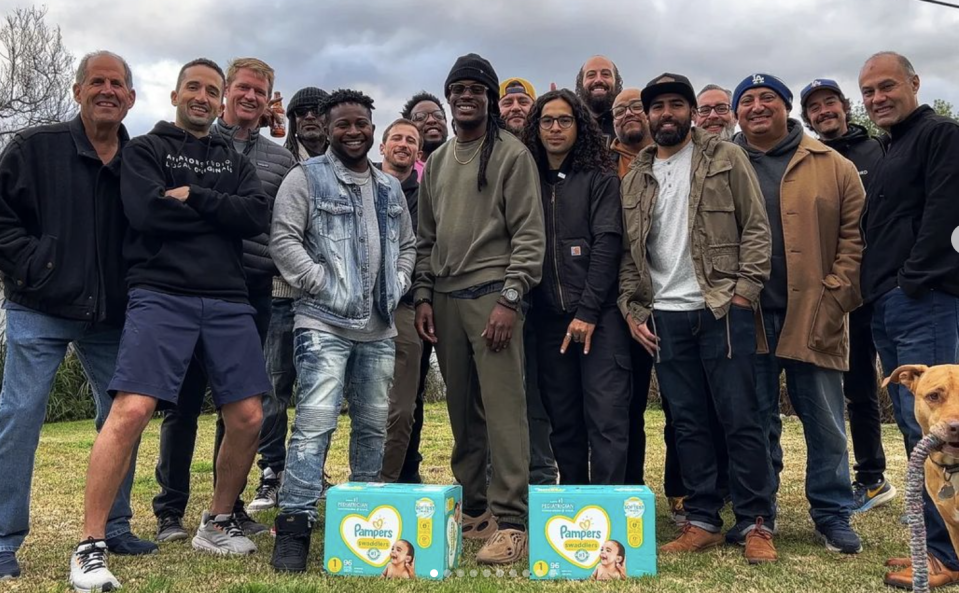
column 589, row 150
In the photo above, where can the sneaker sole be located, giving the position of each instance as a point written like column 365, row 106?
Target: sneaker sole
column 205, row 545
column 256, row 507
column 173, row 537
column 105, row 588
column 878, row 500
column 9, row 577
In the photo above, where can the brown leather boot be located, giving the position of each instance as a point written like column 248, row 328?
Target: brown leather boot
column 692, row 539
column 759, row 545
column 899, row 562
column 939, row 576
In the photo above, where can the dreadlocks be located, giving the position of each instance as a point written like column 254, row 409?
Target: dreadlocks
column 494, row 123
column 589, row 150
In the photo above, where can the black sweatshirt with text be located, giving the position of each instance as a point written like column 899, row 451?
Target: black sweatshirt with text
column 191, row 248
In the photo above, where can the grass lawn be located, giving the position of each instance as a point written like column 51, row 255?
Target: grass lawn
column 804, row 563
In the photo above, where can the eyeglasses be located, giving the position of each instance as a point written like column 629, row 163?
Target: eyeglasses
column 636, row 108
column 460, row 89
column 305, row 109
column 438, row 115
column 720, row 108
column 565, row 122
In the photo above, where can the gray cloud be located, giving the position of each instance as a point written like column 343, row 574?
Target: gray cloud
column 391, row 49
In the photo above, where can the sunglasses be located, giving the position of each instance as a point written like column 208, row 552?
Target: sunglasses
column 303, row 110
column 460, row 89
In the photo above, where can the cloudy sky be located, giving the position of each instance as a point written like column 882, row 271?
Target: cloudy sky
column 391, row 49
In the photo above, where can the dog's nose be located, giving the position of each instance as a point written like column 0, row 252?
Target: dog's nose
column 952, row 430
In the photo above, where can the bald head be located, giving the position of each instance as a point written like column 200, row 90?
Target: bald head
column 629, row 121
column 597, row 84
column 890, row 88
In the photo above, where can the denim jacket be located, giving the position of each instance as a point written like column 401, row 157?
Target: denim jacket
column 335, row 237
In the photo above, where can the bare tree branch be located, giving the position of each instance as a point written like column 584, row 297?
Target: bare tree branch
column 36, row 73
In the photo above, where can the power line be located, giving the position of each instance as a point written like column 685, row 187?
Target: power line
column 941, row 3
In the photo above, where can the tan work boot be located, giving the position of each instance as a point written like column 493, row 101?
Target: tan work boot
column 692, row 539
column 939, row 576
column 481, row 527
column 759, row 545
column 505, row 547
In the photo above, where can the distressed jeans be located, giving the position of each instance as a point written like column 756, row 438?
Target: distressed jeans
column 36, row 345
column 329, row 368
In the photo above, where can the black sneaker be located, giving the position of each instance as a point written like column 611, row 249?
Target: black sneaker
column 292, row 545
column 248, row 525
column 127, row 544
column 870, row 496
column 839, row 536
column 170, row 529
column 9, row 567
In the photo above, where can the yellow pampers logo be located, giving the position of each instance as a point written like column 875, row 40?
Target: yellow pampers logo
column 579, row 539
column 372, row 537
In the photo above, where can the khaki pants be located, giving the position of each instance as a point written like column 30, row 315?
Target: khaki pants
column 406, row 376
column 486, row 399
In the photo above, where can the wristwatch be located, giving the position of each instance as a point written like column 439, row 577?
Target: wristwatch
column 511, row 295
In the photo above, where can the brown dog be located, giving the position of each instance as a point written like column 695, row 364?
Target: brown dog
column 937, row 403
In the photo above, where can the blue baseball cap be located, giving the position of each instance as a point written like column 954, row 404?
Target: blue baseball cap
column 816, row 85
column 763, row 80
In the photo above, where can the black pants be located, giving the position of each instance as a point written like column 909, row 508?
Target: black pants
column 861, row 389
column 642, row 365
column 410, row 474
column 636, row 459
column 697, row 350
column 179, row 427
column 587, row 397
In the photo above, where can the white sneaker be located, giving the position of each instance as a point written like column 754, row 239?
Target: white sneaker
column 88, row 568
column 266, row 494
column 222, row 535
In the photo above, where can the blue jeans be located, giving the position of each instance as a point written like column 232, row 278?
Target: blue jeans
column 279, row 365
column 330, row 368
column 918, row 331
column 817, row 396
column 36, row 345
column 703, row 357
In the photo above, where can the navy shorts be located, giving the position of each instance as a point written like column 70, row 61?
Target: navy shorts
column 163, row 332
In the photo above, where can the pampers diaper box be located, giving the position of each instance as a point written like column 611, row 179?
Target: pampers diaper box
column 591, row 532
column 399, row 531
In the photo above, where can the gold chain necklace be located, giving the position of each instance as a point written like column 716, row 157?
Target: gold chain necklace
column 470, row 160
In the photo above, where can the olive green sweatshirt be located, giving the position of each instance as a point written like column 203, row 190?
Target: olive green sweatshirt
column 466, row 237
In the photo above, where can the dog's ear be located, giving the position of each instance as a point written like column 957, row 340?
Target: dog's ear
column 907, row 375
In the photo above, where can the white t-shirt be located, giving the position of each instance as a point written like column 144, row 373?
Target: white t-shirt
column 675, row 287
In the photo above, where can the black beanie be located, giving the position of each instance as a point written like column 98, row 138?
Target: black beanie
column 306, row 96
column 474, row 67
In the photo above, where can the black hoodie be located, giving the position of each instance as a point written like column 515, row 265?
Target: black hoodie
column 857, row 146
column 191, row 248
column 911, row 210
